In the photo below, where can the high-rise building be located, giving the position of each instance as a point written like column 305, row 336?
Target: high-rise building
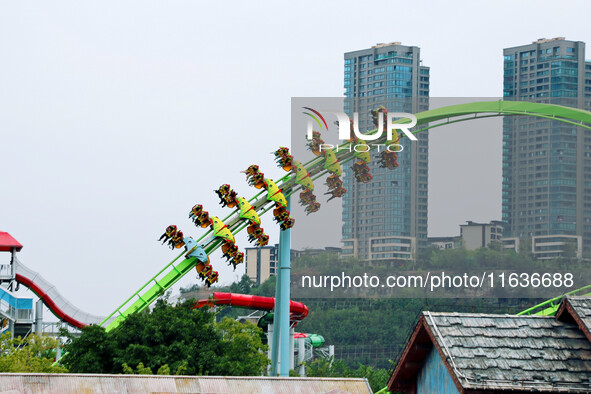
column 261, row 262
column 547, row 164
column 386, row 219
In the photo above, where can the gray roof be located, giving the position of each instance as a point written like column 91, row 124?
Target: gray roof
column 582, row 304
column 75, row 383
column 580, row 309
column 514, row 352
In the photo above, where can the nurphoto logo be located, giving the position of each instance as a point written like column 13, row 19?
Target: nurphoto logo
column 401, row 121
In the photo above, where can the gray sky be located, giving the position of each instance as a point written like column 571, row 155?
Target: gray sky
column 117, row 117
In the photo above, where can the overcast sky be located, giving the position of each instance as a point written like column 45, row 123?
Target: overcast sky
column 117, row 117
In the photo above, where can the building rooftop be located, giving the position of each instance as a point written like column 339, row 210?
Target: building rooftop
column 448, row 238
column 77, row 383
column 504, row 352
column 381, row 44
column 543, row 40
column 577, row 310
column 491, row 223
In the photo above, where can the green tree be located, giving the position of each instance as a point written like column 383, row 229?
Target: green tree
column 329, row 367
column 524, row 249
column 267, row 288
column 376, row 377
column 92, row 351
column 243, row 352
column 141, row 370
column 34, row 353
column 242, row 287
column 426, row 253
column 180, row 337
column 167, row 335
column 170, row 340
column 326, row 367
column 496, row 246
column 127, row 370
column 569, row 250
column 164, row 370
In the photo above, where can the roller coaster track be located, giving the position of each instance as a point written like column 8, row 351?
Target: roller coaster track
column 179, row 267
column 549, row 307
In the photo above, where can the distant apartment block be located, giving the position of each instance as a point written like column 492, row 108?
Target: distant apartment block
column 546, row 163
column 510, row 243
column 445, row 242
column 386, row 219
column 261, row 262
column 381, row 248
column 480, row 235
column 472, row 236
column 547, row 247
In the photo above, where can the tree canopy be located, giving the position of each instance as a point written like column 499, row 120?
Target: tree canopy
column 169, row 339
column 329, row 367
column 34, row 353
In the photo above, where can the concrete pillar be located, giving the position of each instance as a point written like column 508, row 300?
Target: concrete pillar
column 39, row 317
column 270, row 345
column 301, row 354
column 291, row 348
column 12, row 269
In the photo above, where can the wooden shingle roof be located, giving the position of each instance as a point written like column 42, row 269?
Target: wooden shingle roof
column 485, row 352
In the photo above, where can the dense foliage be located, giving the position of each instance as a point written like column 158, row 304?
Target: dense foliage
column 35, row 353
column 169, row 340
column 329, row 367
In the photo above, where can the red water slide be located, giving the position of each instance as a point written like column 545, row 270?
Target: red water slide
column 56, row 303
column 48, row 301
column 298, row 311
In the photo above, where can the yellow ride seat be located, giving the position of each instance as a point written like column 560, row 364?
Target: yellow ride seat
column 274, row 193
column 302, row 176
column 331, row 163
column 365, row 156
column 247, row 211
column 221, row 230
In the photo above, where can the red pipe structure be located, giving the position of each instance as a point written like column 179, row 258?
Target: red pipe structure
column 298, row 311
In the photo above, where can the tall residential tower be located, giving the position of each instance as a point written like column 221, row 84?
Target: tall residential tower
column 386, row 219
column 547, row 164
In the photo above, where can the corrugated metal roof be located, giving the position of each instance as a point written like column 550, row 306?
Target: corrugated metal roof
column 513, row 352
column 75, row 383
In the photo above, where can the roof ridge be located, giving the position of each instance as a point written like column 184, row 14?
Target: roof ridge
column 483, row 315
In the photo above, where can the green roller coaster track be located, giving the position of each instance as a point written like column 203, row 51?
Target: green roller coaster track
column 174, row 271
